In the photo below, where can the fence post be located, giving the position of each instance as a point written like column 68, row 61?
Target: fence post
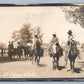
column 2, row 52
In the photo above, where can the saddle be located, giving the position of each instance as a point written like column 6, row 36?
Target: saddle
column 37, row 50
column 73, row 49
column 56, row 50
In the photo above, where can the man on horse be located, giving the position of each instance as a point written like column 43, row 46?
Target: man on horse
column 28, row 50
column 54, row 49
column 73, row 52
column 54, row 40
column 10, row 50
column 37, row 48
column 19, row 49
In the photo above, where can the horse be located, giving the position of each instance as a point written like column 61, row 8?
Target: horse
column 56, row 53
column 28, row 52
column 19, row 51
column 38, row 52
column 72, row 55
column 15, row 52
column 12, row 53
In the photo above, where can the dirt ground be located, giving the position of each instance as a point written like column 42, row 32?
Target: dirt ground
column 27, row 69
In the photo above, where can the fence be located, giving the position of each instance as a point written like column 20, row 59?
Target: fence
column 3, row 52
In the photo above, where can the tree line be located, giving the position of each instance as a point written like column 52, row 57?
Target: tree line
column 26, row 34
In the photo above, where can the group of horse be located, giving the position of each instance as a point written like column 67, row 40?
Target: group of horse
column 25, row 51
column 72, row 53
column 19, row 52
column 56, row 51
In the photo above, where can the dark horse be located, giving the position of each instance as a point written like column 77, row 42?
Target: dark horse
column 57, row 52
column 73, row 53
column 15, row 52
column 12, row 53
column 38, row 52
column 19, row 51
column 28, row 52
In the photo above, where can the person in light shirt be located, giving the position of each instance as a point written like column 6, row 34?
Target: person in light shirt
column 53, row 43
column 54, row 39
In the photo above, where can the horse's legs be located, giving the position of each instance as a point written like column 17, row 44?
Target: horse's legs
column 10, row 58
column 71, row 65
column 70, row 59
column 38, row 59
column 14, row 57
column 30, row 56
column 22, row 55
column 57, row 61
column 35, row 58
column 53, row 62
column 19, row 56
column 27, row 55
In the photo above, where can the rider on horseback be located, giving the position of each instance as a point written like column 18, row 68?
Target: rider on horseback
column 54, row 51
column 73, row 51
column 54, row 39
column 10, row 50
column 70, row 39
column 37, row 47
column 19, row 50
column 53, row 42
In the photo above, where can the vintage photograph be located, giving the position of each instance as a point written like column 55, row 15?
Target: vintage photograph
column 42, row 42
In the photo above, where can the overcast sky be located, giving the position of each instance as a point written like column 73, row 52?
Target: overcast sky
column 50, row 19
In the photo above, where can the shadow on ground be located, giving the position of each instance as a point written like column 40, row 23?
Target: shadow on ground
column 78, row 70
column 6, row 59
column 42, row 65
column 61, row 67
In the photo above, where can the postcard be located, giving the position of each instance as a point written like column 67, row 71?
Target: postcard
column 42, row 42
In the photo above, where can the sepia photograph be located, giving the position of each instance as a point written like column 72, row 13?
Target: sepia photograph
column 42, row 41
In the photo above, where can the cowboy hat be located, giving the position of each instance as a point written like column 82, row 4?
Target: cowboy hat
column 70, row 32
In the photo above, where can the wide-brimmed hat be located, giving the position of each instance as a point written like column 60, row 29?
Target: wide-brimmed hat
column 70, row 32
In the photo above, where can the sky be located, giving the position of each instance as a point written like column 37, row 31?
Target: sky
column 50, row 19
